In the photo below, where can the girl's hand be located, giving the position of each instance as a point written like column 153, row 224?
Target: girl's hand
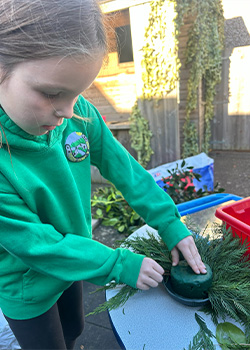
column 150, row 274
column 190, row 253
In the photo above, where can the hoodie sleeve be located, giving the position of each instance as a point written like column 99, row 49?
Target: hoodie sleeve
column 67, row 257
column 136, row 184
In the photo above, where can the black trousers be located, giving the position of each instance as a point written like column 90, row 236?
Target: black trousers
column 58, row 328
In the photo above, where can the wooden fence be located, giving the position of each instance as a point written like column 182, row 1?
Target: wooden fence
column 164, row 124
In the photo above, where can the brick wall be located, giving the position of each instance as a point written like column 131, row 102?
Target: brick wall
column 114, row 90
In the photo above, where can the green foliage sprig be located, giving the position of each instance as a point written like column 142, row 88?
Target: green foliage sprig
column 117, row 301
column 202, row 339
column 140, row 135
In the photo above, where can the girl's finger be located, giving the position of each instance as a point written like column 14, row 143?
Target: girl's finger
column 151, row 282
column 157, row 268
column 190, row 252
column 175, row 256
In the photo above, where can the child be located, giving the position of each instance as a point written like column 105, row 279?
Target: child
column 51, row 51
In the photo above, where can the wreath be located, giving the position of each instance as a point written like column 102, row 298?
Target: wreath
column 229, row 294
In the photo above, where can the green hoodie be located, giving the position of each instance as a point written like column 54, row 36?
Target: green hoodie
column 45, row 212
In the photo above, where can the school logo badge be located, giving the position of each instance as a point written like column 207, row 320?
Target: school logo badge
column 77, row 147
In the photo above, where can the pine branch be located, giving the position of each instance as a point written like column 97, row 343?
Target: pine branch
column 230, row 291
column 116, row 301
column 202, row 339
column 203, row 325
column 151, row 247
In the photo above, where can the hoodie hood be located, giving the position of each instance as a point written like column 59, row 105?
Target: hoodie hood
column 13, row 136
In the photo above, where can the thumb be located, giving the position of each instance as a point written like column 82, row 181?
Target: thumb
column 175, row 256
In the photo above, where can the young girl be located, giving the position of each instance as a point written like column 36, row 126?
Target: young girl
column 50, row 52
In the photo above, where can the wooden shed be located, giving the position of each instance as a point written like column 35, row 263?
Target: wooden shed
column 119, row 85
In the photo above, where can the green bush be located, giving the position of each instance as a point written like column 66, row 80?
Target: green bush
column 110, row 206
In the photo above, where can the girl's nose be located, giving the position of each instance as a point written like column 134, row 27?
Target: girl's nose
column 62, row 114
column 65, row 110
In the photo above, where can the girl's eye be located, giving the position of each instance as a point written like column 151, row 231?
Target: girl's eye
column 50, row 96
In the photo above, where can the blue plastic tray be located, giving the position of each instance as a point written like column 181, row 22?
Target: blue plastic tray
column 205, row 202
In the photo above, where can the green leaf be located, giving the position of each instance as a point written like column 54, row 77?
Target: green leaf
column 121, row 228
column 228, row 334
column 136, row 216
column 99, row 212
column 110, row 222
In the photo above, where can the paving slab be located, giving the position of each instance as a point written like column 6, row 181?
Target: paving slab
column 232, row 171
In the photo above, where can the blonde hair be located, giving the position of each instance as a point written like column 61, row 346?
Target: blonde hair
column 40, row 29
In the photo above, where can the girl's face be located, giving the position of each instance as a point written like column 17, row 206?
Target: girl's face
column 39, row 94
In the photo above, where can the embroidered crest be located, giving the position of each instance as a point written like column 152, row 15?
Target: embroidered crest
column 77, row 147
